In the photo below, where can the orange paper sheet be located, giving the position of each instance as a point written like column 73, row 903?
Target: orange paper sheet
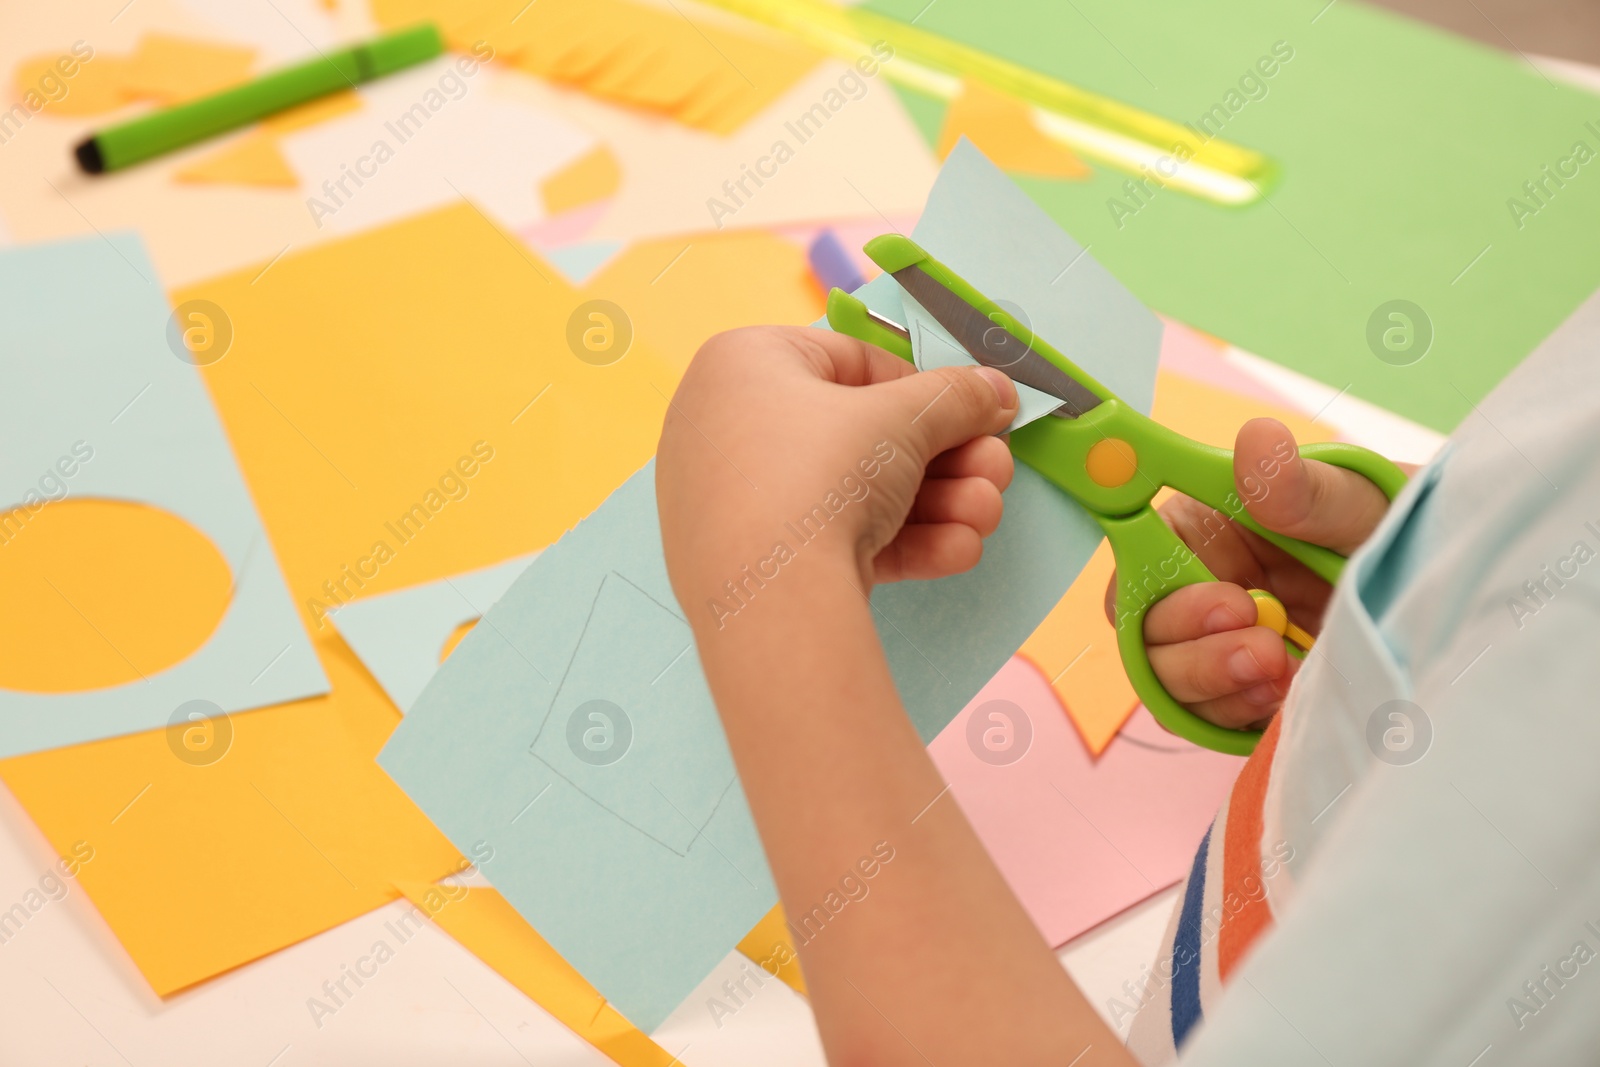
column 1076, row 646
column 1003, row 127
column 491, row 929
column 698, row 68
column 411, row 387
column 681, row 290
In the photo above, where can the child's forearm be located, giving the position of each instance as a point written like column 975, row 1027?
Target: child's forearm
column 914, row 948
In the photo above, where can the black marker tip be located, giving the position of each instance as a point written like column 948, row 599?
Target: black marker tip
column 89, row 157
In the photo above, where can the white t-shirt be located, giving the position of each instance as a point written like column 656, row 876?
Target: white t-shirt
column 1409, row 869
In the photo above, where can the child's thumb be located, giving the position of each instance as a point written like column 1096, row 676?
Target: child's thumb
column 950, row 406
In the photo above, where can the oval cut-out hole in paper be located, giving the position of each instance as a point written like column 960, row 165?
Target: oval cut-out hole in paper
column 454, row 639
column 102, row 592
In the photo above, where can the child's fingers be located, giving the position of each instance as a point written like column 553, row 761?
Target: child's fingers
column 981, row 457
column 1312, row 501
column 1198, row 610
column 922, row 552
column 1219, row 665
column 973, row 502
column 1250, row 707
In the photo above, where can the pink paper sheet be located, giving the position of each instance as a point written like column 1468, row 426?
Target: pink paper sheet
column 1194, row 355
column 1078, row 839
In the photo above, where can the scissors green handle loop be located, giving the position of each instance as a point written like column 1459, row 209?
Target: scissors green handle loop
column 1153, row 562
column 1113, row 460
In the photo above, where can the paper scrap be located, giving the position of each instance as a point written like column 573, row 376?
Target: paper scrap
column 254, row 159
column 403, row 636
column 641, row 904
column 769, row 946
column 580, row 262
column 933, row 347
column 257, row 157
column 592, row 178
column 707, row 73
column 1003, row 129
column 678, row 291
column 1078, row 839
column 94, row 86
column 343, row 368
column 427, row 136
column 490, row 929
column 170, row 70
column 104, row 400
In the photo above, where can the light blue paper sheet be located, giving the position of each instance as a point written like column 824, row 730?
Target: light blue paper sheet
column 644, row 872
column 399, row 636
column 86, row 359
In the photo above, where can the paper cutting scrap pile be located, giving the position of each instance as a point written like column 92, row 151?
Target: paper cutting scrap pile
column 287, row 411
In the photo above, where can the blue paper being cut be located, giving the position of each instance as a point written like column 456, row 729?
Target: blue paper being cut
column 563, row 737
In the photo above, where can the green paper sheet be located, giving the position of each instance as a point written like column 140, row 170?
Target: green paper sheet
column 1400, row 148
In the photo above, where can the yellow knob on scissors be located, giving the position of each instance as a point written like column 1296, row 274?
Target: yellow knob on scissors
column 1271, row 613
column 1111, row 462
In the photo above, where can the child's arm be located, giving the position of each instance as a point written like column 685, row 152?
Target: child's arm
column 796, row 468
column 1203, row 644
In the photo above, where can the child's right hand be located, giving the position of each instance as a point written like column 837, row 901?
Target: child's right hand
column 1203, row 642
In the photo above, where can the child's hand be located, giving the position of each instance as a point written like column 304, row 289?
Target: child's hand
column 1202, row 640
column 792, row 450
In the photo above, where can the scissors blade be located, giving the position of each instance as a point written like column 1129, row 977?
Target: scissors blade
column 994, row 346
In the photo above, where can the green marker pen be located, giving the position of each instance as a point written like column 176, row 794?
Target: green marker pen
column 141, row 138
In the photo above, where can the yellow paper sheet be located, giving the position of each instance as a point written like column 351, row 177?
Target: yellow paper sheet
column 769, row 946
column 696, row 68
column 170, row 69
column 1076, row 645
column 1003, row 128
column 254, row 159
column 681, row 290
column 491, row 929
column 352, row 401
column 586, row 181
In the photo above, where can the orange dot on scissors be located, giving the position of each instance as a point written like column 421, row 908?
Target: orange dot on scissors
column 1111, row 462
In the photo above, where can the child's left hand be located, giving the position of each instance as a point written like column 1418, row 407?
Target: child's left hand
column 793, row 449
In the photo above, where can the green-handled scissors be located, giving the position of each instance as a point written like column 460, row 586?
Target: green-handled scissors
column 1112, row 460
